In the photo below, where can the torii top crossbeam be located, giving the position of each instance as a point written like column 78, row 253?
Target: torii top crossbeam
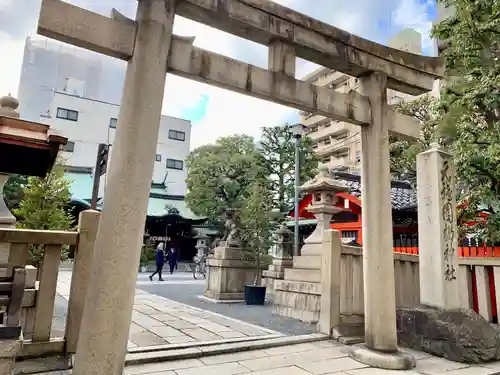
column 271, row 24
column 262, row 21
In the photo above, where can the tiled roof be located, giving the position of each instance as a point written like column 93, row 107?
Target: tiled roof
column 402, row 194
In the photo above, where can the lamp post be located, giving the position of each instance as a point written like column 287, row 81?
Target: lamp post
column 297, row 131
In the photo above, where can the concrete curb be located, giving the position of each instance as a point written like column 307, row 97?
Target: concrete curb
column 203, row 351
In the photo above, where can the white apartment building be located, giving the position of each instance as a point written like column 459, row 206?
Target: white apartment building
column 337, row 143
column 87, row 123
column 75, row 91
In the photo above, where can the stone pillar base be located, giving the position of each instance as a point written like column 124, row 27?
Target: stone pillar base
column 228, row 275
column 398, row 360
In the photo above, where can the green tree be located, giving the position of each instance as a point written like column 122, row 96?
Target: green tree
column 470, row 101
column 277, row 146
column 256, row 219
column 14, row 191
column 44, row 206
column 403, row 153
column 220, row 174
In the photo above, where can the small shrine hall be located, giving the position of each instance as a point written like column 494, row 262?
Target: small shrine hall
column 348, row 221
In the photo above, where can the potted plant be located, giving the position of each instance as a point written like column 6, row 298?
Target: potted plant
column 256, row 223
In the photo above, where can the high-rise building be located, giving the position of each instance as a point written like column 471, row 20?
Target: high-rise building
column 50, row 66
column 337, row 143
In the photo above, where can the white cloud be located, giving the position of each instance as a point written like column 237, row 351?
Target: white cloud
column 226, row 113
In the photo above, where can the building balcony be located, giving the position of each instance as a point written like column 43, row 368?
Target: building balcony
column 334, row 129
column 339, row 162
column 330, row 149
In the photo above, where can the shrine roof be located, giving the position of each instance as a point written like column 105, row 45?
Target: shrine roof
column 403, row 195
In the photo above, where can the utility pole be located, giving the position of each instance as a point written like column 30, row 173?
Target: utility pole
column 101, row 165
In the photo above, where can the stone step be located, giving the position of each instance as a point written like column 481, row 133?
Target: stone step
column 307, row 262
column 160, row 355
column 307, row 275
column 298, row 287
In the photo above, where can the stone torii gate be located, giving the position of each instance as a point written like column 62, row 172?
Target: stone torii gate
column 151, row 49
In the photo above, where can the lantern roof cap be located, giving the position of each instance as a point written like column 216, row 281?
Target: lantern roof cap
column 323, row 181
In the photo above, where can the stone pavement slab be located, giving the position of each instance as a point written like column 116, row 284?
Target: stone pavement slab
column 159, row 321
column 324, row 357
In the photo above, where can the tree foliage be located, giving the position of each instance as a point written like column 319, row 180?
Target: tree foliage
column 256, row 223
column 470, row 101
column 44, row 206
column 466, row 118
column 277, row 146
column 14, row 190
column 403, row 153
column 220, row 174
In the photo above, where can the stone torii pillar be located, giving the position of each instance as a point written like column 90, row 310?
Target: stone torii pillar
column 381, row 342
column 102, row 344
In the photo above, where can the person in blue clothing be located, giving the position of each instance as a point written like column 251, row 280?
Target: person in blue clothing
column 160, row 261
column 172, row 259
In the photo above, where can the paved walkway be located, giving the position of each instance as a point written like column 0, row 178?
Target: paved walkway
column 159, row 321
column 319, row 358
column 182, row 288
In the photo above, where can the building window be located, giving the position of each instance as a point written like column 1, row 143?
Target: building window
column 177, row 135
column 175, row 164
column 69, row 147
column 67, row 114
column 327, row 141
column 158, row 157
column 358, row 156
column 112, row 122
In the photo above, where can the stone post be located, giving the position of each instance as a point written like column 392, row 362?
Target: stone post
column 381, row 348
column 107, row 314
column 437, row 229
column 329, row 317
column 80, row 278
column 323, row 189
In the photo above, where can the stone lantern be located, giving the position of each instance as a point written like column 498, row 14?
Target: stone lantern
column 201, row 245
column 282, row 260
column 283, row 253
column 26, row 148
column 323, row 189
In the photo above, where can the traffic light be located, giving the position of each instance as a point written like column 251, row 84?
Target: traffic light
column 102, row 159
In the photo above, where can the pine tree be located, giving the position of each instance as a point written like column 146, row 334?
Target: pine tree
column 277, row 146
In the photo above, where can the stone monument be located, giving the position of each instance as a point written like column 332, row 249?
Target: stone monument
column 282, row 258
column 298, row 295
column 227, row 273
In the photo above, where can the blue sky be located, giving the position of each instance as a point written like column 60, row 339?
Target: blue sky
column 215, row 112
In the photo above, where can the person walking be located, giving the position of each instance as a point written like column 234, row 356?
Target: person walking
column 160, row 261
column 172, row 259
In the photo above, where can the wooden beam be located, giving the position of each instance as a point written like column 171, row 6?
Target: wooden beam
column 79, row 27
column 115, row 37
column 262, row 21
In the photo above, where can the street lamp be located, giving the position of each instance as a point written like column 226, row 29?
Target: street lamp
column 297, row 131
